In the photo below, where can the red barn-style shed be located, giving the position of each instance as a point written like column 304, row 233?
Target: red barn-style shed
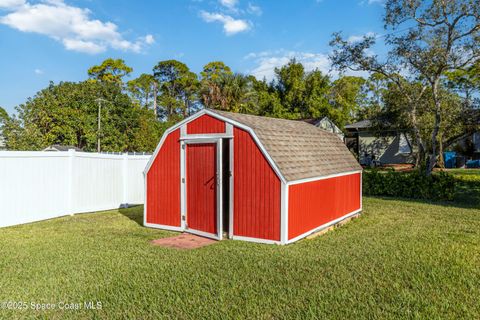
column 254, row 178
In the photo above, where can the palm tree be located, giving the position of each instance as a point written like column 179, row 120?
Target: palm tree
column 237, row 94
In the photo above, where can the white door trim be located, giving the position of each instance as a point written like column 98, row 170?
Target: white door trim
column 218, row 186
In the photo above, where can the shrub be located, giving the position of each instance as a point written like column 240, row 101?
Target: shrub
column 414, row 185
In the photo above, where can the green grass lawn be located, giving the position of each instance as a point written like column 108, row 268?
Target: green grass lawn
column 400, row 259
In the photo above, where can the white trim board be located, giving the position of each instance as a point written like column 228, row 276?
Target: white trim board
column 361, row 190
column 324, row 226
column 231, row 196
column 324, row 177
column 283, row 213
column 203, row 234
column 256, row 240
column 205, row 136
column 183, row 185
column 145, row 200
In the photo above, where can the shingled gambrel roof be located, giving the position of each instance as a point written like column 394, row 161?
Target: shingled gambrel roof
column 300, row 150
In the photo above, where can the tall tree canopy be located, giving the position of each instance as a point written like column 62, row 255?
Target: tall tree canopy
column 110, row 70
column 3, row 116
column 178, row 88
column 346, row 100
column 212, row 75
column 67, row 114
column 297, row 94
column 144, row 90
column 237, row 94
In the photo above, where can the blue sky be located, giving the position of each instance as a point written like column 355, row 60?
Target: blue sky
column 59, row 40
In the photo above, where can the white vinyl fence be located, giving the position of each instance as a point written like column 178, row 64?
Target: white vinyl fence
column 41, row 185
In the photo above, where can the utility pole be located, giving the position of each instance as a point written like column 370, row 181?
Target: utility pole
column 155, row 92
column 99, row 124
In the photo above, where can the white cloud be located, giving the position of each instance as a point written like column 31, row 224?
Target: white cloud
column 72, row 26
column 231, row 26
column 229, row 3
column 83, row 46
column 369, row 2
column 38, row 71
column 253, row 9
column 357, row 38
column 9, row 4
column 267, row 61
column 149, row 39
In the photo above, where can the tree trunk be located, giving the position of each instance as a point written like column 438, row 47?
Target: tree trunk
column 441, row 160
column 420, row 158
column 432, row 159
column 155, row 111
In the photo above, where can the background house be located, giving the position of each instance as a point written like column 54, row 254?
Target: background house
column 326, row 124
column 476, row 142
column 58, row 147
column 378, row 148
column 463, row 151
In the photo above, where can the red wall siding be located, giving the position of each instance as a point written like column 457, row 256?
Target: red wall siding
column 256, row 191
column 313, row 204
column 163, row 184
column 205, row 124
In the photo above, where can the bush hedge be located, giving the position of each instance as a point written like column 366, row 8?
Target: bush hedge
column 414, row 185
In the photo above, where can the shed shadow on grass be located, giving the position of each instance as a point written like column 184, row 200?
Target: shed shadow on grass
column 134, row 213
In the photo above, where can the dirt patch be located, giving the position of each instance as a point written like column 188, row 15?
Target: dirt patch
column 184, row 241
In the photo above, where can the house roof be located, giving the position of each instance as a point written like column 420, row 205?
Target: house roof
column 58, row 147
column 300, row 150
column 359, row 125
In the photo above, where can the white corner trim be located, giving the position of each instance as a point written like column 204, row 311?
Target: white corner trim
column 183, row 188
column 219, row 186
column 145, row 200
column 324, row 226
column 284, row 213
column 324, row 177
column 256, row 240
column 229, row 129
column 163, row 227
column 361, row 190
column 183, row 131
column 231, row 195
